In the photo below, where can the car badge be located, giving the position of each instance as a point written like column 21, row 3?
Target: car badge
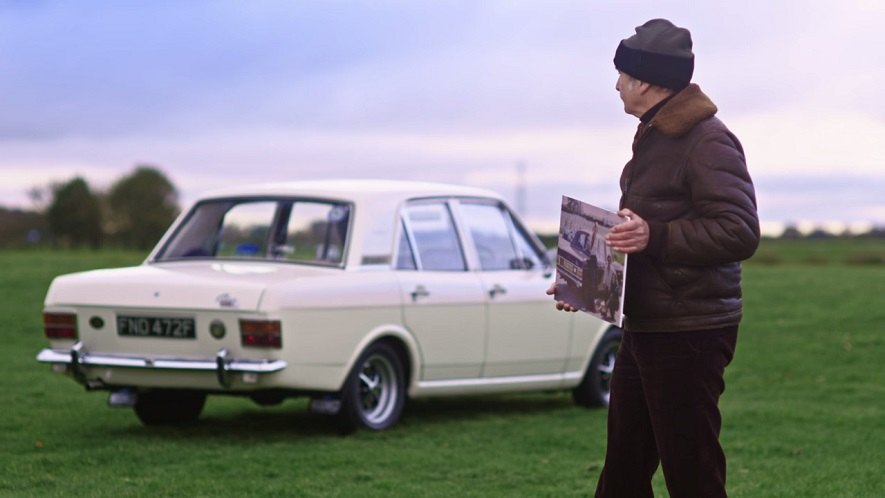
column 226, row 301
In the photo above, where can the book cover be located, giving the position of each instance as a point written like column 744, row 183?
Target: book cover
column 590, row 275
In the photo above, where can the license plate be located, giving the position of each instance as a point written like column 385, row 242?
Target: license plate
column 568, row 266
column 152, row 326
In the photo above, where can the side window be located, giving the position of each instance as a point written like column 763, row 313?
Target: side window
column 436, row 241
column 489, row 228
column 527, row 250
column 404, row 259
column 500, row 242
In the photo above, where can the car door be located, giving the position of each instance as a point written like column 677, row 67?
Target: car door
column 526, row 335
column 443, row 303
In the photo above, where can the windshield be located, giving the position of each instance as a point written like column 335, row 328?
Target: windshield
column 304, row 231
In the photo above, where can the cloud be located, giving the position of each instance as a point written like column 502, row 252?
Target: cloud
column 804, row 141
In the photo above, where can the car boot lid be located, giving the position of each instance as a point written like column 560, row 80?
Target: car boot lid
column 218, row 285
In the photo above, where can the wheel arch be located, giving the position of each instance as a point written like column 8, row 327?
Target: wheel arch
column 601, row 332
column 595, row 386
column 401, row 340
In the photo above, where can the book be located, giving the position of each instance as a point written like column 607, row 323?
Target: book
column 590, row 275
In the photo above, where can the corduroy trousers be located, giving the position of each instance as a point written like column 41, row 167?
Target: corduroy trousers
column 665, row 409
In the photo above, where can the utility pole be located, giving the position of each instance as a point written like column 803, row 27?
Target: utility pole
column 520, row 189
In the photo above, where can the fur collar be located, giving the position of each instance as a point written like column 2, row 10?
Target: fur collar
column 686, row 109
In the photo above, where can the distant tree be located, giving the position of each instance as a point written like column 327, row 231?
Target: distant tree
column 19, row 228
column 40, row 196
column 74, row 214
column 141, row 207
column 820, row 233
column 791, row 232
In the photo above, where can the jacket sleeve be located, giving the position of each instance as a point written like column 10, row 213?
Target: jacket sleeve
column 722, row 226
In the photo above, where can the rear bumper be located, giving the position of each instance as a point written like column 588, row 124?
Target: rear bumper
column 78, row 359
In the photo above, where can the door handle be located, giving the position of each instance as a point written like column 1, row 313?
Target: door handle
column 497, row 289
column 419, row 291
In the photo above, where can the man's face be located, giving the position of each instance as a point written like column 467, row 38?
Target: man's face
column 628, row 88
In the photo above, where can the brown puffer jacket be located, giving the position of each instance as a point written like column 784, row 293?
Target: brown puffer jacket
column 688, row 179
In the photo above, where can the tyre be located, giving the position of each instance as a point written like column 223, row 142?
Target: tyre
column 374, row 393
column 595, row 387
column 169, row 407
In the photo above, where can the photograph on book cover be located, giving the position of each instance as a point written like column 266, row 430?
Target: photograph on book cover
column 589, row 274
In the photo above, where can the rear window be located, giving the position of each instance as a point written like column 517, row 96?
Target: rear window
column 304, row 231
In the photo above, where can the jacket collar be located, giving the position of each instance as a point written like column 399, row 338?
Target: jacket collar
column 684, row 110
column 651, row 113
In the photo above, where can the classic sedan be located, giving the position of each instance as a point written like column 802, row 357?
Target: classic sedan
column 357, row 294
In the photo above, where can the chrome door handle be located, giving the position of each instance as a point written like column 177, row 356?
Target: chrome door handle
column 419, row 291
column 497, row 289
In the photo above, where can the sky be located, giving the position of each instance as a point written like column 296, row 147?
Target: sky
column 515, row 96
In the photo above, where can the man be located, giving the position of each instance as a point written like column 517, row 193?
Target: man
column 692, row 218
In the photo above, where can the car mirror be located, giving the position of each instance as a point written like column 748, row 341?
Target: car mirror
column 521, row 264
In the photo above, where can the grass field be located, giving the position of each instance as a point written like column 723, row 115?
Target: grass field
column 804, row 411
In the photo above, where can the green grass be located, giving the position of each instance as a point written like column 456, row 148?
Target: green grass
column 803, row 410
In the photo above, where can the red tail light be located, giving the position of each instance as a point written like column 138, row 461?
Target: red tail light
column 60, row 325
column 261, row 333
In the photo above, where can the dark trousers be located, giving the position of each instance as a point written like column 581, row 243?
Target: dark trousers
column 665, row 408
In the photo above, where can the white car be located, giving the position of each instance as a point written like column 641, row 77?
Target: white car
column 356, row 293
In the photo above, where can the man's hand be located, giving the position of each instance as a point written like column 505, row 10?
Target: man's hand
column 560, row 305
column 630, row 236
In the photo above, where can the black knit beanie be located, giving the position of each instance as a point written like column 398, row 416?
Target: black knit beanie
column 659, row 53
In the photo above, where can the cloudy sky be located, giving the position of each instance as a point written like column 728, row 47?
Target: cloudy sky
column 483, row 93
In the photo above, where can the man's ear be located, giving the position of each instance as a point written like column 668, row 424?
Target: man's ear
column 644, row 87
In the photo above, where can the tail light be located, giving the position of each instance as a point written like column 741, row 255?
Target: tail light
column 261, row 333
column 60, row 325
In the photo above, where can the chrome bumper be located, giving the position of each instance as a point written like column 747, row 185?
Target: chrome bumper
column 221, row 364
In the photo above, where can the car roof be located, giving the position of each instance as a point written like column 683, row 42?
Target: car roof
column 352, row 189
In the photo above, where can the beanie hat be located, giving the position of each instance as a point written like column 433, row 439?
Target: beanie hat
column 659, row 53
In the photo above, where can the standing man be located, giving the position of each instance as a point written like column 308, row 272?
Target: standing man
column 692, row 219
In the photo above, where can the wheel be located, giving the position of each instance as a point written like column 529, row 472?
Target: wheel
column 169, row 407
column 374, row 393
column 595, row 387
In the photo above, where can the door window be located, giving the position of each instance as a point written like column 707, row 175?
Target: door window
column 405, row 260
column 436, row 244
column 499, row 243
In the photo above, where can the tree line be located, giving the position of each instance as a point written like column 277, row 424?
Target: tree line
column 133, row 213
column 138, row 208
